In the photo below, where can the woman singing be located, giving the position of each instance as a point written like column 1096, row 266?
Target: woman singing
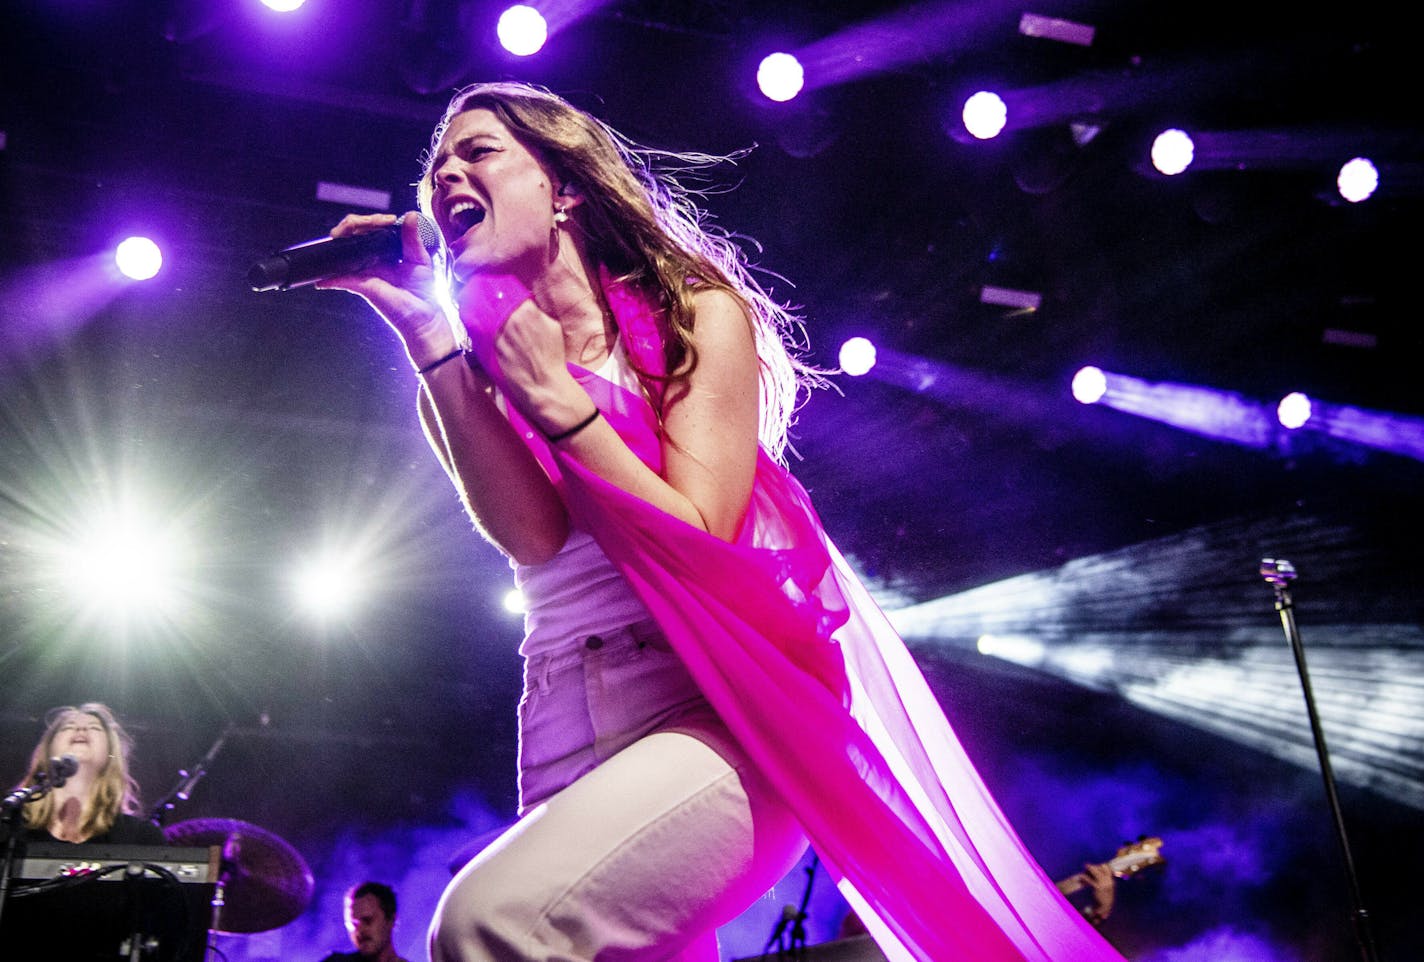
column 99, row 802
column 707, row 685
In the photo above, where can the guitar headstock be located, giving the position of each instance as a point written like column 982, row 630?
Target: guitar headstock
column 1136, row 856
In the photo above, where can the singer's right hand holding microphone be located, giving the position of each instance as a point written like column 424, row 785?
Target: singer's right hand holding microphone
column 402, row 293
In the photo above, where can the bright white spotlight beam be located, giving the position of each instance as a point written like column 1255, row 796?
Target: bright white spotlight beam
column 128, row 567
column 985, row 115
column 328, row 586
column 1173, row 151
column 780, row 77
column 522, row 30
column 857, row 356
column 1358, row 179
column 138, row 258
column 1089, row 385
column 1294, row 410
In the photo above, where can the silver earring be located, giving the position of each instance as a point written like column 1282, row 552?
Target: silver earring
column 561, row 215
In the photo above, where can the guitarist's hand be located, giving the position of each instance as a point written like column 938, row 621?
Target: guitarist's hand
column 1100, row 879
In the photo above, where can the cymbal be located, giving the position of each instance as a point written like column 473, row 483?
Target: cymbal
column 266, row 882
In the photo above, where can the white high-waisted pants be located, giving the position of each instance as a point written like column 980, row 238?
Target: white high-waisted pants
column 643, row 827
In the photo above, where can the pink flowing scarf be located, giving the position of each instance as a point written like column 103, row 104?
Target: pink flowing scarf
column 810, row 677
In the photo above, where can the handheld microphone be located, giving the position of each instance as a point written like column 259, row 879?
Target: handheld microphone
column 61, row 768
column 304, row 264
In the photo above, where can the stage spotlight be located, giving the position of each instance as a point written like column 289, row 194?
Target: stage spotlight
column 522, row 30
column 283, row 6
column 1304, row 150
column 138, row 258
column 985, row 115
column 1089, row 385
column 514, row 602
column 327, row 586
column 125, row 565
column 1358, row 180
column 780, row 77
column 857, row 356
column 1211, row 413
column 1172, row 152
column 1294, row 410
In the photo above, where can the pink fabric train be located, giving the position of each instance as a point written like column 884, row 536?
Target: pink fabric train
column 810, row 677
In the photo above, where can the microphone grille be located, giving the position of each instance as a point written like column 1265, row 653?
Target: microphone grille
column 429, row 233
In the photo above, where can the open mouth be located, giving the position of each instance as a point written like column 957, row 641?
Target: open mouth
column 465, row 215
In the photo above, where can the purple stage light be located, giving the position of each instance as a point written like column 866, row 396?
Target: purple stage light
column 46, row 302
column 1381, row 430
column 1293, row 411
column 522, row 30
column 1227, row 416
column 138, row 258
column 1089, row 385
column 780, row 77
column 985, row 115
column 1221, row 415
column 956, row 386
column 1358, row 180
column 283, row 6
column 1172, row 151
column 857, row 356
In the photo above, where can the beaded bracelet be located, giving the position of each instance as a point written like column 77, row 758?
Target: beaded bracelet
column 565, row 435
column 458, row 352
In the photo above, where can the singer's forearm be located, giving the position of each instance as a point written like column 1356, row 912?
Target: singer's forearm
column 504, row 489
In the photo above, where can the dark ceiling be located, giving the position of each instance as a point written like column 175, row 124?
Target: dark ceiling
column 274, row 424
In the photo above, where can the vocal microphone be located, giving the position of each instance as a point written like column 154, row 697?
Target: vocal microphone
column 61, row 768
column 316, row 260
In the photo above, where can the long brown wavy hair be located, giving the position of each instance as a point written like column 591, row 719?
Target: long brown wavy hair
column 647, row 229
column 114, row 791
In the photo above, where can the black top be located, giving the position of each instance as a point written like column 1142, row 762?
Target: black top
column 127, row 830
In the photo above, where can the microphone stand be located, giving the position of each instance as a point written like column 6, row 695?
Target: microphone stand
column 11, row 817
column 1279, row 573
column 794, row 917
column 187, row 781
column 139, row 943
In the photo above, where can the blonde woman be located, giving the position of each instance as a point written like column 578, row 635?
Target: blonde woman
column 99, row 802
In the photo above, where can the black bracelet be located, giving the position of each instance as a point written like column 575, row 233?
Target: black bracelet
column 565, row 435
column 458, row 352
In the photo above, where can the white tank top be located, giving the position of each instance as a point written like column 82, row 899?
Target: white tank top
column 578, row 592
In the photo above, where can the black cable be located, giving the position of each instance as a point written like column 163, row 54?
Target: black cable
column 172, row 886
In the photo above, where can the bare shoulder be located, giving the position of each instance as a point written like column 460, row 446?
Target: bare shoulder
column 722, row 321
